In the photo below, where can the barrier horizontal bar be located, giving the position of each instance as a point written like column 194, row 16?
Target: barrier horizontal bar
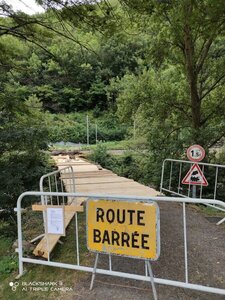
column 55, row 172
column 172, row 192
column 129, row 276
column 192, row 162
column 121, row 197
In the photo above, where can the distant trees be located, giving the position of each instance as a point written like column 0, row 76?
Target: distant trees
column 67, row 63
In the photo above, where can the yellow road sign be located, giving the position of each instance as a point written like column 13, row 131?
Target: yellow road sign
column 123, row 228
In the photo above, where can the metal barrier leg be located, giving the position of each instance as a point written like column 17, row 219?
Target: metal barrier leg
column 185, row 243
column 94, row 272
column 37, row 237
column 146, row 269
column 77, row 239
column 110, row 262
column 20, row 240
column 21, row 271
column 152, row 280
column 221, row 221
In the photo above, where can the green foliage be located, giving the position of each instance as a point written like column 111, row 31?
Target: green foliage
column 23, row 138
column 7, row 230
column 100, row 156
column 73, row 127
column 8, row 264
column 128, row 165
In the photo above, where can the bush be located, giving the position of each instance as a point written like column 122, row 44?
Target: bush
column 20, row 172
column 23, row 140
column 128, row 165
column 100, row 156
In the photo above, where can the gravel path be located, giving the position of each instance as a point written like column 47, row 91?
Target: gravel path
column 206, row 254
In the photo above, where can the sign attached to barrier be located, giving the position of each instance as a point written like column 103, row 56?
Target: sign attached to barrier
column 195, row 153
column 123, row 228
column 55, row 220
column 195, row 176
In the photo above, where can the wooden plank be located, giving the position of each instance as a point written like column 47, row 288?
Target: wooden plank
column 51, row 240
column 87, row 174
column 102, row 180
column 72, row 208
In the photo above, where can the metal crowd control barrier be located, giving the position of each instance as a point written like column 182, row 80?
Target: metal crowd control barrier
column 81, row 267
column 175, row 170
column 53, row 185
column 56, row 182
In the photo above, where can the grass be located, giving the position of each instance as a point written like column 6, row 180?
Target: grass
column 8, row 259
column 210, row 211
column 65, row 253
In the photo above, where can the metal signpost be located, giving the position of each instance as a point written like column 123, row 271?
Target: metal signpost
column 195, row 176
column 124, row 228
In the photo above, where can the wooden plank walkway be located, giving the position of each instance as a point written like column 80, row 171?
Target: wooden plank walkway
column 90, row 178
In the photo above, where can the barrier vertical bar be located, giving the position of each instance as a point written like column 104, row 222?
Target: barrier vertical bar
column 73, row 179
column 20, row 238
column 162, row 176
column 203, row 168
column 171, row 170
column 146, row 269
column 152, row 280
column 77, row 240
column 94, row 271
column 56, row 188
column 110, row 262
column 63, row 198
column 50, row 187
column 185, row 243
column 215, row 187
column 179, row 178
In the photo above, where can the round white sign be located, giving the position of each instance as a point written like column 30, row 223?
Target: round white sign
column 195, row 153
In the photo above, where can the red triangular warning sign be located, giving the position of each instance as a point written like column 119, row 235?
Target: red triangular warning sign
column 195, row 176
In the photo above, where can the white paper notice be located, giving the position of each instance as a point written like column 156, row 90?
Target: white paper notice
column 55, row 220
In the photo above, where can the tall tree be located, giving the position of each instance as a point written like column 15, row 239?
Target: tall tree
column 189, row 35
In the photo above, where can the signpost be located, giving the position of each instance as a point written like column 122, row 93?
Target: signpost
column 193, row 177
column 124, row 228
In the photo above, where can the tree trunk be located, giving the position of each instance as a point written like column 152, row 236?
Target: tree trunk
column 192, row 77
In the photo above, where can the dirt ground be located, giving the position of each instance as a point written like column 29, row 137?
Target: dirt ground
column 206, row 256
